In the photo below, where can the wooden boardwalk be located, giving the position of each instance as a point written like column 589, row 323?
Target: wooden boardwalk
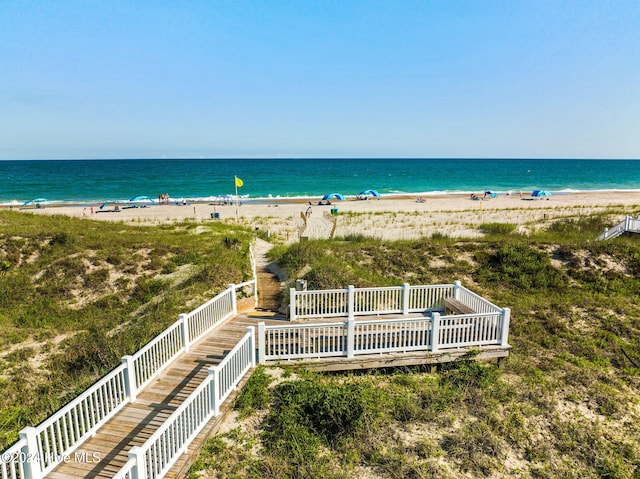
column 103, row 455
column 106, row 453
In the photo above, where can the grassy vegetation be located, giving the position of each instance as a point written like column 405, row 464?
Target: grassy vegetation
column 566, row 403
column 76, row 295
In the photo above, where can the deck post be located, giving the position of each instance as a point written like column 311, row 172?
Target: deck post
column 214, row 384
column 255, row 292
column 504, row 334
column 292, row 304
column 139, row 471
column 405, row 298
column 435, row 332
column 252, row 260
column 351, row 293
column 184, row 321
column 32, row 467
column 234, row 300
column 130, row 377
column 351, row 333
column 262, row 339
column 456, row 289
column 252, row 345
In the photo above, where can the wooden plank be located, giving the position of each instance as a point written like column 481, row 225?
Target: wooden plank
column 456, row 307
column 389, row 360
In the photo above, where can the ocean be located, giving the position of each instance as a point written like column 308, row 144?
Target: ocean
column 93, row 181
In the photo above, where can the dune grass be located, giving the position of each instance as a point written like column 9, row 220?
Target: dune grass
column 566, row 403
column 76, row 295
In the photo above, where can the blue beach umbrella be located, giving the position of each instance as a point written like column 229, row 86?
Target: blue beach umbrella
column 337, row 196
column 540, row 193
column 373, row 193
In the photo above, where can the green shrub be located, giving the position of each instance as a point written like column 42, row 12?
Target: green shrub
column 255, row 394
column 497, row 228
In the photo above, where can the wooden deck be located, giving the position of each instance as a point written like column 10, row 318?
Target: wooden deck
column 104, row 455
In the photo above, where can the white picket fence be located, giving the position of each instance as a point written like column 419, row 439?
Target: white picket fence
column 42, row 448
column 488, row 325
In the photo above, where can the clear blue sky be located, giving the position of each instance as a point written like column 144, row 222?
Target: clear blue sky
column 446, row 78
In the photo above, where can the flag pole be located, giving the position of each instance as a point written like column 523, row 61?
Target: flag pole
column 235, row 182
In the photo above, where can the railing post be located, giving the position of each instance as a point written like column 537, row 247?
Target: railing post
column 252, row 345
column 351, row 293
column 255, row 292
column 32, row 467
column 456, row 289
column 234, row 299
column 214, row 385
column 130, row 377
column 139, row 471
column 252, row 260
column 262, row 339
column 435, row 332
column 504, row 334
column 292, row 304
column 351, row 336
column 406, row 291
column 184, row 320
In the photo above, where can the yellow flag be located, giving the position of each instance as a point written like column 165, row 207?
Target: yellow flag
column 239, row 182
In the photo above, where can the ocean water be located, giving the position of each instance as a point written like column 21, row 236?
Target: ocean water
column 87, row 181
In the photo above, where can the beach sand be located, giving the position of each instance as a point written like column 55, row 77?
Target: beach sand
column 387, row 218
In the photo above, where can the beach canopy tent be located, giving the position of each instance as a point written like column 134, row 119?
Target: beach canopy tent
column 490, row 194
column 540, row 193
column 35, row 201
column 373, row 193
column 337, row 196
column 225, row 199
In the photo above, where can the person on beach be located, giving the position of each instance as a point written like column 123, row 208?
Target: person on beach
column 308, row 212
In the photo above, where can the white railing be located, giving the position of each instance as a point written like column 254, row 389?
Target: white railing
column 58, row 436
column 211, row 313
column 488, row 325
column 476, row 302
column 395, row 335
column 45, row 446
column 295, row 341
column 318, row 304
column 159, row 453
column 378, row 300
column 152, row 358
column 627, row 224
column 366, row 301
column 353, row 337
column 457, row 331
column 13, row 461
column 428, row 298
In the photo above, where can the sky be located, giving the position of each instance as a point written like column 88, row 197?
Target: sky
column 332, row 78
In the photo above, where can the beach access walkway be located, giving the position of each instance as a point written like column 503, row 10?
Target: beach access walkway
column 147, row 418
column 627, row 225
column 107, row 452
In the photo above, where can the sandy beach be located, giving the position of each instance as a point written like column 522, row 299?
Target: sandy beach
column 385, row 218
